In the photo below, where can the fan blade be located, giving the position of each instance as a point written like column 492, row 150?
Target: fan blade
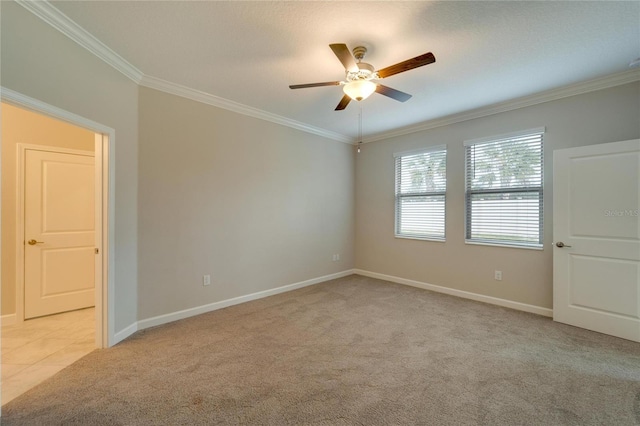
column 344, row 55
column 343, row 103
column 304, row 86
column 393, row 93
column 407, row 65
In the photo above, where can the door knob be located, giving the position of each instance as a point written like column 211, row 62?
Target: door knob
column 34, row 242
column 561, row 244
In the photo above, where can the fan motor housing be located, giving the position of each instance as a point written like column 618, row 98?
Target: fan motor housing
column 365, row 72
column 366, row 68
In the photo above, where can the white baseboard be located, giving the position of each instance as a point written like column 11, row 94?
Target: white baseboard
column 123, row 334
column 460, row 293
column 8, row 319
column 186, row 313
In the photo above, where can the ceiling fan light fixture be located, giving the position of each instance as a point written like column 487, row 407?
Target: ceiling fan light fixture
column 359, row 75
column 359, row 89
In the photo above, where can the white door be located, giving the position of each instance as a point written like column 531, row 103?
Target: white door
column 59, row 232
column 596, row 231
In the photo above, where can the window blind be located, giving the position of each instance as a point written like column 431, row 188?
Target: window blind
column 421, row 184
column 504, row 190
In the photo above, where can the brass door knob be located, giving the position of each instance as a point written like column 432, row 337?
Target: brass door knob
column 34, row 242
column 561, row 244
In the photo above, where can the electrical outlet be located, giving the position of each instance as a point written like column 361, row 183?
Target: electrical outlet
column 497, row 275
column 338, row 256
column 335, row 257
column 206, row 280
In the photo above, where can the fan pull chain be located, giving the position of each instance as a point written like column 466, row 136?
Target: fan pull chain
column 359, row 129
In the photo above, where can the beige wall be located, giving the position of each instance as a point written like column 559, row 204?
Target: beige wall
column 604, row 116
column 254, row 204
column 40, row 62
column 21, row 126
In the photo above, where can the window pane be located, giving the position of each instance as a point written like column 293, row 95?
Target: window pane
column 509, row 217
column 421, row 217
column 514, row 163
column 424, row 172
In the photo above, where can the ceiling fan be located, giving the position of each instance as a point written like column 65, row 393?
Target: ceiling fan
column 359, row 82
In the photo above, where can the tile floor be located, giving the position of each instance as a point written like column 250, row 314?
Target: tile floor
column 38, row 348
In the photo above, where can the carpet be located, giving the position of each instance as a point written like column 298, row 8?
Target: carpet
column 352, row 351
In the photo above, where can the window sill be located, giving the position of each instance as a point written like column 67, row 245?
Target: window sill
column 434, row 239
column 539, row 247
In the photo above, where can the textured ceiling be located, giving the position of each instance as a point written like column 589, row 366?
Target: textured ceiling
column 249, row 52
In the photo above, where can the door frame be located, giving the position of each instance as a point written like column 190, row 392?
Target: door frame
column 105, row 214
column 21, row 175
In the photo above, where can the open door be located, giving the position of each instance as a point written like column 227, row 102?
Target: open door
column 596, row 231
column 59, row 231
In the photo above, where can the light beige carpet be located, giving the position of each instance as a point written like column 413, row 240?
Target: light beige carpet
column 353, row 351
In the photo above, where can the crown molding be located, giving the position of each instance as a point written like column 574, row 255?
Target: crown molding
column 206, row 98
column 535, row 99
column 61, row 22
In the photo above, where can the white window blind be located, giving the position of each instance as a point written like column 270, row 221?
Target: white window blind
column 504, row 190
column 421, row 184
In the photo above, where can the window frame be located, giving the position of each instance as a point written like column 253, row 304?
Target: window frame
column 539, row 190
column 398, row 196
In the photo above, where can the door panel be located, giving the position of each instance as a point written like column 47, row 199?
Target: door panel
column 59, row 215
column 586, row 276
column 68, row 184
column 56, row 264
column 615, row 174
column 597, row 272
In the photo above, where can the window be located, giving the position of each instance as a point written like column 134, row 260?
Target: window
column 421, row 184
column 504, row 189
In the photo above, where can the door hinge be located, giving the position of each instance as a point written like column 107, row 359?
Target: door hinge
column 97, row 250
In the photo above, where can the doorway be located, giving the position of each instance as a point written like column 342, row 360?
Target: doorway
column 100, row 142
column 35, row 349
